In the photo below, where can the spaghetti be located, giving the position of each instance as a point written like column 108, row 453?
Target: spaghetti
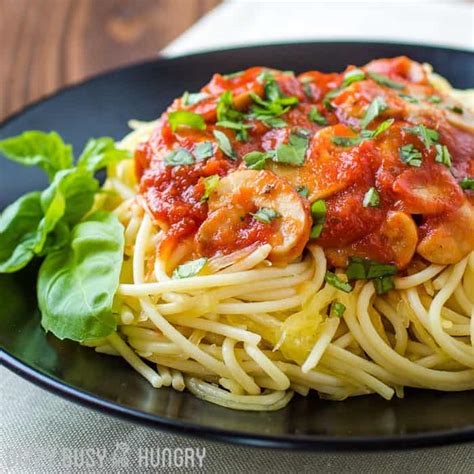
column 247, row 330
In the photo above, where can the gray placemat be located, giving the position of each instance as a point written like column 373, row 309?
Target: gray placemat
column 41, row 432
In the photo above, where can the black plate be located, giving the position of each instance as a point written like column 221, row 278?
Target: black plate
column 102, row 106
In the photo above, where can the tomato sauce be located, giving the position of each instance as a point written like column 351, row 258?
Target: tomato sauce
column 340, row 174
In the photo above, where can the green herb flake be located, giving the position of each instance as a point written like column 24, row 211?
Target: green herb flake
column 186, row 118
column 346, row 141
column 385, row 81
column 318, row 213
column 385, row 125
column 383, row 284
column 303, row 191
column 364, row 269
column 410, row 155
column 456, row 109
column 272, row 122
column 427, row 135
column 194, row 98
column 371, row 198
column 255, row 160
column 189, row 269
column 409, row 98
column 442, row 155
column 210, row 183
column 316, row 116
column 467, row 183
column 337, row 309
column 265, row 215
column 354, row 75
column 434, row 99
column 334, row 280
column 376, row 107
column 203, row 151
column 239, row 127
column 224, row 144
column 294, row 152
column 178, row 157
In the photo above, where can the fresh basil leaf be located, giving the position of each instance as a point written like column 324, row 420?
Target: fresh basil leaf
column 265, row 215
column 385, row 81
column 225, row 109
column 186, row 118
column 210, row 183
column 189, row 269
column 255, row 160
column 303, row 191
column 294, row 152
column 70, row 196
column 337, row 309
column 467, row 183
column 100, row 153
column 225, row 145
column 334, row 280
column 178, row 157
column 203, row 151
column 77, row 284
column 19, row 235
column 371, row 198
column 376, row 107
column 316, row 116
column 434, row 99
column 410, row 155
column 239, row 127
column 190, row 98
column 34, row 148
column 364, row 269
column 378, row 270
column 318, row 214
column 427, row 135
column 272, row 122
column 385, row 125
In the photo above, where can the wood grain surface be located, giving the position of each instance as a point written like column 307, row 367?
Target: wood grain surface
column 45, row 44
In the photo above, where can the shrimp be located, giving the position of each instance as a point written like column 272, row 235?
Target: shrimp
column 234, row 222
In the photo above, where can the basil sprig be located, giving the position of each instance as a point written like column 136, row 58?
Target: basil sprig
column 187, row 119
column 265, row 215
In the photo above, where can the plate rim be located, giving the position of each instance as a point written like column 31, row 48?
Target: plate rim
column 178, row 426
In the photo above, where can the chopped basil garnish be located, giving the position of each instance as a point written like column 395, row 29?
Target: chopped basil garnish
column 178, row 157
column 385, row 81
column 337, row 309
column 224, row 144
column 210, row 183
column 189, row 269
column 303, row 191
column 383, row 284
column 203, row 151
column 307, row 88
column 427, row 135
column 354, row 75
column 409, row 98
column 467, row 183
column 456, row 109
column 434, row 99
column 442, row 155
column 376, row 107
column 316, row 116
column 364, row 269
column 194, row 98
column 334, row 280
column 184, row 117
column 410, row 155
column 294, row 152
column 318, row 213
column 239, row 127
column 371, row 198
column 265, row 215
column 255, row 160
column 329, row 96
column 229, row 117
column 346, row 141
column 272, row 122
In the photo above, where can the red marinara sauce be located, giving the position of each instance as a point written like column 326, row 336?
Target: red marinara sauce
column 385, row 192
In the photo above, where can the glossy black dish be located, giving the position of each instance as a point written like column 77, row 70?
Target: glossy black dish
column 101, row 106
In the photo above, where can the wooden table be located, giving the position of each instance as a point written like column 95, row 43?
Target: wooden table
column 46, row 44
